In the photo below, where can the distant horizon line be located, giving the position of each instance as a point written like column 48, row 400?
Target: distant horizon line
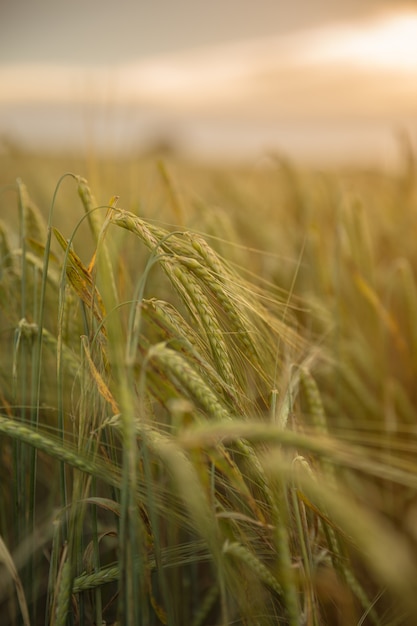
column 362, row 142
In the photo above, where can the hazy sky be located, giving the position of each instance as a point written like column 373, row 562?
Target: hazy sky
column 319, row 76
column 107, row 32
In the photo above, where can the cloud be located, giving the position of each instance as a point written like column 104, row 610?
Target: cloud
column 263, row 74
column 338, row 74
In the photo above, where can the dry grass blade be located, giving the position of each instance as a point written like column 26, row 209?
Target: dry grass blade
column 101, row 385
column 6, row 254
column 82, row 281
column 7, row 560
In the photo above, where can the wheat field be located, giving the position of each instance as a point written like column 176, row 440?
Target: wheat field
column 207, row 393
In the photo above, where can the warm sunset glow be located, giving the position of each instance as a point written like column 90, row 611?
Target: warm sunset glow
column 363, row 73
column 390, row 42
